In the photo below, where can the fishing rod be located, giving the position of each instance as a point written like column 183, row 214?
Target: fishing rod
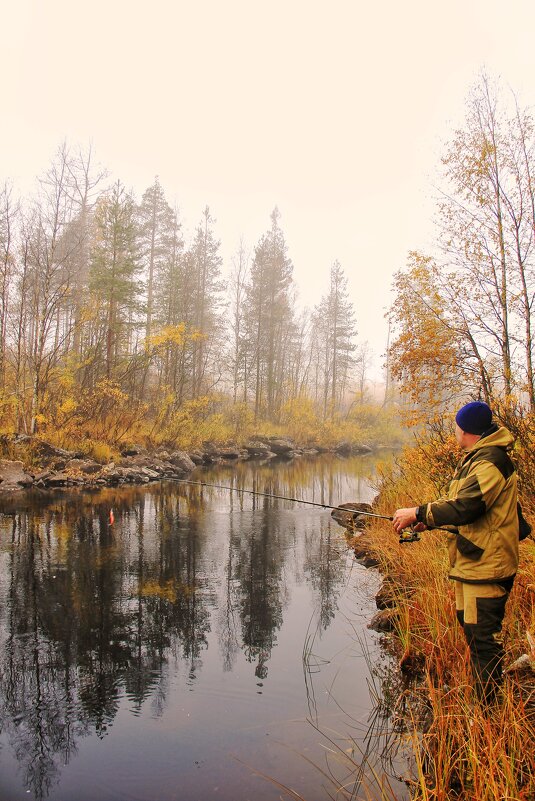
column 408, row 535
column 280, row 497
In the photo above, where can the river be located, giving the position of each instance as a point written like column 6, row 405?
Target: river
column 206, row 644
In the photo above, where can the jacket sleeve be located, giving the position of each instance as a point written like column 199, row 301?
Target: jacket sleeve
column 471, row 498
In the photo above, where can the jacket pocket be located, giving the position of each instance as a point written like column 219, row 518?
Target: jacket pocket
column 468, row 548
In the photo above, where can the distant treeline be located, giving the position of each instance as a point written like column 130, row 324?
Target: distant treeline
column 107, row 313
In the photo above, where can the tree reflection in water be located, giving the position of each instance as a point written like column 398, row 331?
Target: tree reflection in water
column 91, row 614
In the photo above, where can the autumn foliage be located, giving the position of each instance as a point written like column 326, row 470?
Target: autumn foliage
column 464, row 750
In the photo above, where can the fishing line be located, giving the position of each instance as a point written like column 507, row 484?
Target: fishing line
column 408, row 535
column 282, row 498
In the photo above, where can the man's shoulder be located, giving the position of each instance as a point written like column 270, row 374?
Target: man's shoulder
column 496, row 455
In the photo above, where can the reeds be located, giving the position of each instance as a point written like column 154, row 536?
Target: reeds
column 465, row 749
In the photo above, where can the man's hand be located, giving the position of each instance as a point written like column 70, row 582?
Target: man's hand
column 404, row 518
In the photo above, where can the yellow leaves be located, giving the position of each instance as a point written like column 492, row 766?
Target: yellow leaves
column 101, row 452
column 173, row 336
column 424, row 354
column 65, row 380
column 106, row 388
column 241, row 419
column 168, row 335
column 299, row 417
column 193, row 424
column 69, row 405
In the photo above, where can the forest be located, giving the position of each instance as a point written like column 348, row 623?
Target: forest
column 112, row 326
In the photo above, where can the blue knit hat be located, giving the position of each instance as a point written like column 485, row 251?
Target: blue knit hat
column 474, row 418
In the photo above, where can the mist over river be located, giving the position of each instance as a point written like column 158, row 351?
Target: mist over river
column 197, row 643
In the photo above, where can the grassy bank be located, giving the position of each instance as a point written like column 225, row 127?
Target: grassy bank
column 464, row 751
column 113, row 424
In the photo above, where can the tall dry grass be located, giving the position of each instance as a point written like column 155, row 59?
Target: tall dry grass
column 466, row 750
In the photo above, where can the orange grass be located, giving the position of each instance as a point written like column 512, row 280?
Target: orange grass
column 466, row 751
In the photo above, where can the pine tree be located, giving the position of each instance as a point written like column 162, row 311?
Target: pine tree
column 156, row 241
column 269, row 315
column 206, row 263
column 113, row 276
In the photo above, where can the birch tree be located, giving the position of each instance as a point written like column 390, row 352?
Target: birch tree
column 8, row 221
column 238, row 351
column 335, row 331
column 466, row 314
column 47, row 279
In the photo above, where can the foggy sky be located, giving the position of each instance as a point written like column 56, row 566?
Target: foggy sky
column 336, row 112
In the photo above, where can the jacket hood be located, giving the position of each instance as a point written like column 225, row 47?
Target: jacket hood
column 498, row 436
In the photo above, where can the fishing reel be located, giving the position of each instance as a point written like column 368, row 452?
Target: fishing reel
column 409, row 535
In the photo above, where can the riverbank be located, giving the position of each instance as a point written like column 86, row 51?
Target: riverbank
column 461, row 749
column 34, row 463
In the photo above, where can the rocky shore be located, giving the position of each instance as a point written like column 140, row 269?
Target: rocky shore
column 136, row 465
column 394, row 590
column 349, row 516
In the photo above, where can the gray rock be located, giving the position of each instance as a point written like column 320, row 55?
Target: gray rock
column 57, row 480
column 281, row 446
column 134, row 459
column 346, row 448
column 230, row 453
column 210, row 457
column 362, row 449
column 133, row 450
column 367, row 560
column 83, row 465
column 257, row 448
column 150, row 474
column 48, row 451
column 42, row 476
column 387, row 596
column 364, row 553
column 385, row 620
column 347, row 515
column 184, row 462
column 524, row 664
column 111, row 474
column 13, row 477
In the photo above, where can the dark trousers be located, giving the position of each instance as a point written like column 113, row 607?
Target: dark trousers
column 480, row 611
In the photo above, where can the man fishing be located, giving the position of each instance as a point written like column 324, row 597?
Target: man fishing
column 480, row 503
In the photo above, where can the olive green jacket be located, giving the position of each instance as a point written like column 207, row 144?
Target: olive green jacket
column 480, row 503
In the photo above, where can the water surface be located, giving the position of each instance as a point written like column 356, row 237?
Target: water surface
column 207, row 644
